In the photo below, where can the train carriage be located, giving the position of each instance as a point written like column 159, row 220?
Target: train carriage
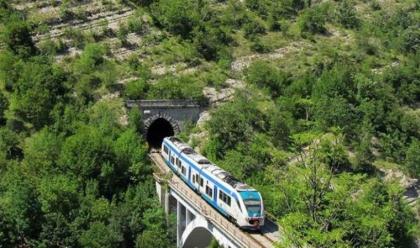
column 232, row 198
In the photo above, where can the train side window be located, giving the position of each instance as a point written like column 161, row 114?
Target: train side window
column 165, row 149
column 224, row 197
column 178, row 162
column 239, row 205
column 172, row 160
column 183, row 170
column 209, row 191
column 201, row 182
column 228, row 200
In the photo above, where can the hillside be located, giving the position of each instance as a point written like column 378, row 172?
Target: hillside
column 314, row 103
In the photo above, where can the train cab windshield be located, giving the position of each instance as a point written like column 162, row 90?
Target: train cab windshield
column 252, row 201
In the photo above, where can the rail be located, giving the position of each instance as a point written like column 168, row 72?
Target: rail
column 244, row 238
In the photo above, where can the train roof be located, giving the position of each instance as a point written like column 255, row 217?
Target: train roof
column 209, row 166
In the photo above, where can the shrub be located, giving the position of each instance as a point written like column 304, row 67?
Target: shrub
column 170, row 87
column 3, row 106
column 258, row 46
column 412, row 159
column 16, row 35
column 313, row 21
column 265, row 75
column 346, row 15
column 411, row 39
column 177, row 16
column 254, row 27
column 136, row 89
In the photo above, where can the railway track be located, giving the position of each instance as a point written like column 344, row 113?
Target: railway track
column 265, row 238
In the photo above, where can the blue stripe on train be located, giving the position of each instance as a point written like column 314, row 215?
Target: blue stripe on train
column 204, row 196
column 180, row 155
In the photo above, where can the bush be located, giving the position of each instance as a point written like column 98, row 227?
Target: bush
column 16, row 35
column 267, row 76
column 136, row 89
column 412, row 159
column 346, row 15
column 313, row 21
column 136, row 25
column 177, row 16
column 258, row 46
column 170, row 87
column 3, row 106
column 411, row 39
column 254, row 27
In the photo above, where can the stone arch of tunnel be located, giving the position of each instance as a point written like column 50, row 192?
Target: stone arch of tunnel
column 200, row 237
column 158, row 127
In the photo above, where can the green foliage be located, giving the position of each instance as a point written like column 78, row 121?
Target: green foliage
column 171, row 87
column 4, row 104
column 99, row 235
column 234, row 123
column 327, row 215
column 308, row 131
column 411, row 39
column 333, row 95
column 136, row 89
column 412, row 160
column 16, row 35
column 346, row 14
column 313, row 20
column 265, row 75
column 253, row 27
column 39, row 87
column 178, row 16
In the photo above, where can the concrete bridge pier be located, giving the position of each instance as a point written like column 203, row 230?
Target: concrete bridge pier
column 192, row 229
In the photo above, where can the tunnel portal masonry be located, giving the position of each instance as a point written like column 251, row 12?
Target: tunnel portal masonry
column 162, row 118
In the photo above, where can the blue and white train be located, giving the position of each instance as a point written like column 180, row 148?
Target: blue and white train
column 235, row 200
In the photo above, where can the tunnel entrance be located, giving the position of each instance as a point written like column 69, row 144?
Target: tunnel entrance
column 157, row 131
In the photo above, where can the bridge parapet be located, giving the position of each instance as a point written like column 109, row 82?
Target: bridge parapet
column 224, row 231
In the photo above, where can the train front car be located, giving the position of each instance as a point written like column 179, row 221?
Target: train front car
column 252, row 209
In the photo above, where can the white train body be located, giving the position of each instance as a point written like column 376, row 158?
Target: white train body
column 235, row 200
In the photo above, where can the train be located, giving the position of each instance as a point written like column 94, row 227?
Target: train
column 237, row 201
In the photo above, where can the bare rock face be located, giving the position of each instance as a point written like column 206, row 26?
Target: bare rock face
column 411, row 186
column 204, row 117
column 217, row 97
column 242, row 63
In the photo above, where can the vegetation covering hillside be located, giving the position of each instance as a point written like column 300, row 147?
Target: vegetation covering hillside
column 314, row 103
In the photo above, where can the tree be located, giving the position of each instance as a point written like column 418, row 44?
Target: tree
column 39, row 87
column 346, row 14
column 3, row 106
column 178, row 16
column 181, row 87
column 411, row 40
column 234, row 123
column 58, row 194
column 41, row 152
column 267, row 76
column 100, row 235
column 279, row 129
column 412, row 159
column 16, row 35
column 136, row 89
column 313, row 20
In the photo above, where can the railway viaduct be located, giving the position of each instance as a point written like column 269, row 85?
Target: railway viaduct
column 197, row 222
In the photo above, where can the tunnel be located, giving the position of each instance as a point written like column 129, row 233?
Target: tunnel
column 159, row 129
